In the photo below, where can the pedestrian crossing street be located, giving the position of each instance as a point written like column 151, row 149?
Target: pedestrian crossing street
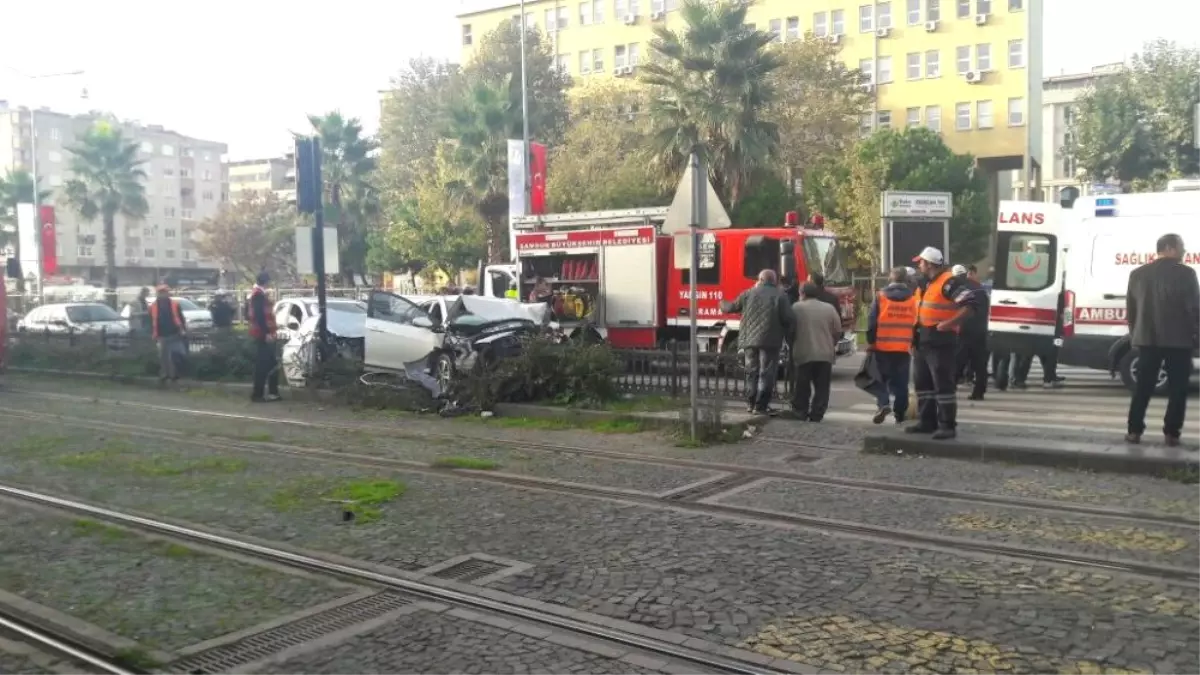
column 1088, row 402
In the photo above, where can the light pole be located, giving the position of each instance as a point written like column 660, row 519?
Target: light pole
column 525, row 111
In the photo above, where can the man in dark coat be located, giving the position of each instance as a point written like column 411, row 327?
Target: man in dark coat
column 766, row 323
column 1162, row 307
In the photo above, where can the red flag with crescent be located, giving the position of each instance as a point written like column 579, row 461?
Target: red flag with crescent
column 537, row 180
column 49, row 240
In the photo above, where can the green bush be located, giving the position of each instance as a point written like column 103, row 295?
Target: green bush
column 228, row 357
column 572, row 373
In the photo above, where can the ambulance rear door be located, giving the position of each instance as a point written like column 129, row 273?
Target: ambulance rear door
column 1027, row 276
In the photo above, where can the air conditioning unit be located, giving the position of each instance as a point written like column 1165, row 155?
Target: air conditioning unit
column 630, row 19
column 973, row 76
column 981, row 19
column 930, row 26
column 869, row 87
column 834, row 39
column 657, row 16
column 883, row 32
column 628, row 70
column 619, row 71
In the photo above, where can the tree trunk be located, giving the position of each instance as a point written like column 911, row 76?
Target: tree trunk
column 110, row 259
column 493, row 208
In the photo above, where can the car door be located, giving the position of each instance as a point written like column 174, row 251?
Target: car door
column 393, row 340
column 1028, row 276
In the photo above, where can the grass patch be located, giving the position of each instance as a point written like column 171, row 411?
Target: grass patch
column 1188, row 476
column 617, row 425
column 94, row 528
column 602, row 425
column 173, row 550
column 359, row 497
column 136, row 658
column 31, row 446
column 645, row 404
column 159, row 466
column 473, row 463
column 120, row 457
column 258, row 438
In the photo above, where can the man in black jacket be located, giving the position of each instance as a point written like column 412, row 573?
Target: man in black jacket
column 1162, row 307
column 973, row 349
column 766, row 323
column 823, row 294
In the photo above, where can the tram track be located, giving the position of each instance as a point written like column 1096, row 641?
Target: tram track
column 669, row 501
column 60, row 645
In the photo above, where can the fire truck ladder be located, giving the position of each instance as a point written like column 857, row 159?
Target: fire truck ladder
column 593, row 219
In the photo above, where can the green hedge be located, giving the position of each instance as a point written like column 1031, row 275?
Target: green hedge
column 226, row 358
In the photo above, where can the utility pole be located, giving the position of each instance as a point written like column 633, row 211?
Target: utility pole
column 525, row 109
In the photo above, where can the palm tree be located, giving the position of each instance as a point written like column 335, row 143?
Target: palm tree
column 478, row 128
column 710, row 83
column 16, row 187
column 347, row 170
column 105, row 182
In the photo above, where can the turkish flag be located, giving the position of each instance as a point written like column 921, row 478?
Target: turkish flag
column 537, row 181
column 49, row 240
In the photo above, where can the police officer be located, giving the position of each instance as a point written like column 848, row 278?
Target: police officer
column 945, row 303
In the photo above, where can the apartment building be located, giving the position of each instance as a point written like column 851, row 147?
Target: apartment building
column 273, row 174
column 184, row 177
column 969, row 69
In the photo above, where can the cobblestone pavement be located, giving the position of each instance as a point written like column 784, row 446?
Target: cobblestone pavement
column 161, row 595
column 425, row 643
column 712, row 578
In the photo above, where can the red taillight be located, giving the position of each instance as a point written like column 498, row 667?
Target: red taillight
column 1068, row 315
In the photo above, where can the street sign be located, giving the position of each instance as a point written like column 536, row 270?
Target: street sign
column 679, row 217
column 304, row 250
column 935, row 205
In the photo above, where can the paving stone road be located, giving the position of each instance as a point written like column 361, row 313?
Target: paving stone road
column 837, row 603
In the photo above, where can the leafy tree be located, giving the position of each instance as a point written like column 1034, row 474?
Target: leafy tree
column 819, row 105
column 1136, row 125
column 766, row 205
column 412, row 120
column 351, row 202
column 106, row 181
column 16, row 187
column 433, row 226
column 253, row 234
column 847, row 191
column 601, row 162
column 711, row 83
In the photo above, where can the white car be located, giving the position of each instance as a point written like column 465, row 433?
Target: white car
column 74, row 317
column 195, row 317
column 292, row 313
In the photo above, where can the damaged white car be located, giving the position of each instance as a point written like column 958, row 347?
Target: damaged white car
column 431, row 342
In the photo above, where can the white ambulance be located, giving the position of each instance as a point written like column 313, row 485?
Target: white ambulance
column 1063, row 273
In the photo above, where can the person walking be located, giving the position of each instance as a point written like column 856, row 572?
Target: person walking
column 167, row 327
column 1162, row 308
column 814, row 349
column 944, row 304
column 766, row 323
column 823, row 294
column 974, row 347
column 890, row 325
column 222, row 311
column 262, row 331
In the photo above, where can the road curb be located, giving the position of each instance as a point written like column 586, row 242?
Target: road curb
column 1130, row 459
column 671, row 419
column 296, row 394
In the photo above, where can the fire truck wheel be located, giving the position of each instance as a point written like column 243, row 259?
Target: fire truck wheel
column 1129, row 369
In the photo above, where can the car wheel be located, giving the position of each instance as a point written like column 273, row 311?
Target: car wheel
column 1129, row 370
column 444, row 371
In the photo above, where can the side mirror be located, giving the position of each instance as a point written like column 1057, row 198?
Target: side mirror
column 423, row 322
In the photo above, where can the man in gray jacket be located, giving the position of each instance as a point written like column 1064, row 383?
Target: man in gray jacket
column 814, row 349
column 766, row 323
column 1162, row 307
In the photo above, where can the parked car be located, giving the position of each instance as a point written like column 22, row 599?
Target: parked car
column 74, row 317
column 197, row 318
column 291, row 313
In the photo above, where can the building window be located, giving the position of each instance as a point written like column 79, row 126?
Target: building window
column 912, row 66
column 55, row 135
column 169, row 232
column 585, row 62
column 1016, row 53
column 1068, row 165
column 597, row 60
column 964, row 9
column 933, row 65
column 867, row 66
column 837, row 20
column 168, row 150
column 185, row 173
column 1016, row 112
column 962, row 59
column 55, row 180
column 883, row 15
column 148, row 253
column 187, row 254
column 983, row 6
column 187, row 152
column 558, row 20
column 130, row 252
column 207, row 195
column 185, row 214
column 983, row 115
column 84, row 251
column 885, row 119
column 962, row 117
column 933, row 10
column 775, row 28
column 623, row 8
column 885, row 69
column 170, row 253
column 591, row 12
column 793, row 28
column 150, row 231
column 466, row 34
column 914, row 12
column 207, row 156
column 866, row 124
column 169, row 211
column 983, row 57
column 1016, row 5
column 933, row 118
column 866, row 19
column 820, row 27
column 562, row 63
column 912, row 117
column 1068, row 113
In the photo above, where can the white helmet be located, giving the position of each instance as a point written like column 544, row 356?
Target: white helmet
column 958, row 271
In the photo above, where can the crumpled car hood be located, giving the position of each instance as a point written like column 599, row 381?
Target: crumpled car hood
column 472, row 311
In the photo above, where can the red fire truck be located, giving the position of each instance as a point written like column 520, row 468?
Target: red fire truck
column 615, row 271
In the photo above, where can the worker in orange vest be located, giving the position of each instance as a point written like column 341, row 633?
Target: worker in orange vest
column 944, row 304
column 262, row 331
column 167, row 327
column 890, row 336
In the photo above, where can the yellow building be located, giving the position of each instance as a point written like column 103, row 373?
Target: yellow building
column 971, row 69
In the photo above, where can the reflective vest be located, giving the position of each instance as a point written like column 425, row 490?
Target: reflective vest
column 934, row 307
column 256, row 331
column 511, row 294
column 175, row 317
column 894, row 326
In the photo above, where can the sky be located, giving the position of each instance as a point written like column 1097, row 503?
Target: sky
column 247, row 72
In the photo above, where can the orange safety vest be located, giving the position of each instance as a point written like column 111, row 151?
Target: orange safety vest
column 934, row 307
column 256, row 332
column 175, row 316
column 894, row 325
